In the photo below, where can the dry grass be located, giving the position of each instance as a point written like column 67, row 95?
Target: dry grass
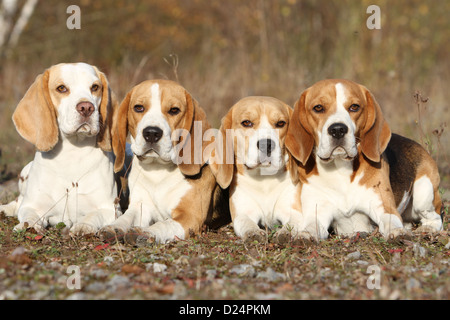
column 220, row 266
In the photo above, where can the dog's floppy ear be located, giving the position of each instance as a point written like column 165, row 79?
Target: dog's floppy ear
column 299, row 139
column 35, row 115
column 376, row 133
column 222, row 164
column 119, row 132
column 194, row 125
column 108, row 105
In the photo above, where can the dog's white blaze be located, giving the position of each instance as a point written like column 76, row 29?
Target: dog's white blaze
column 262, row 132
column 156, row 98
column 264, row 124
column 154, row 116
column 340, row 97
column 341, row 114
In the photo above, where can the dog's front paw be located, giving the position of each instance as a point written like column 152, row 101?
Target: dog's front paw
column 26, row 225
column 283, row 236
column 399, row 234
column 110, row 234
column 427, row 229
column 256, row 235
column 304, row 238
column 82, row 229
column 137, row 236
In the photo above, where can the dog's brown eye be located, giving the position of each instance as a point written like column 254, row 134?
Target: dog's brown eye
column 280, row 124
column 95, row 88
column 174, row 111
column 62, row 89
column 354, row 108
column 319, row 108
column 139, row 108
column 247, row 123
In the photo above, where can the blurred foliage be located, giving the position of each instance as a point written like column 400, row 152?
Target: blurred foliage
column 313, row 33
column 233, row 48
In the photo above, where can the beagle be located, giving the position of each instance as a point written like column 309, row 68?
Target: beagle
column 172, row 188
column 251, row 159
column 67, row 114
column 348, row 165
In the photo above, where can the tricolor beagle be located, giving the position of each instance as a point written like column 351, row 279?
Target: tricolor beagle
column 253, row 164
column 172, row 189
column 67, row 114
column 349, row 171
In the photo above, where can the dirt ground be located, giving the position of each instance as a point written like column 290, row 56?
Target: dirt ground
column 218, row 265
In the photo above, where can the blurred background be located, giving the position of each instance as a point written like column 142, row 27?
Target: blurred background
column 222, row 51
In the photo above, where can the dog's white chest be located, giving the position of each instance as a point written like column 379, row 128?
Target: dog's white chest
column 162, row 184
column 265, row 192
column 68, row 185
column 333, row 190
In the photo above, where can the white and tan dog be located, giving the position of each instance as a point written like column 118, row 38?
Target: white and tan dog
column 172, row 189
column 67, row 114
column 253, row 163
column 348, row 179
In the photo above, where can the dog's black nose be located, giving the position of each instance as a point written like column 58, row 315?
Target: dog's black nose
column 152, row 134
column 266, row 146
column 337, row 130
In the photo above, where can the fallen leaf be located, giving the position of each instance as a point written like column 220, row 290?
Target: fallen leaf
column 35, row 238
column 21, row 259
column 166, row 289
column 130, row 268
column 284, row 288
column 101, row 246
column 395, row 250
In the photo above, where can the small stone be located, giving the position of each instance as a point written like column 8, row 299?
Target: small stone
column 211, row 274
column 447, row 246
column 108, row 260
column 77, row 296
column 243, row 270
column 159, row 267
column 354, row 255
column 362, row 262
column 118, row 281
column 413, row 284
column 18, row 251
column 270, row 275
column 419, row 251
column 95, row 287
column 99, row 273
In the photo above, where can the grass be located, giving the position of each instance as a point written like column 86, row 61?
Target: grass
column 218, row 265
